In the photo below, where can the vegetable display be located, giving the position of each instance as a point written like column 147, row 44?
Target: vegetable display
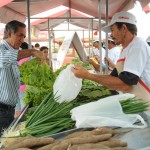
column 48, row 118
column 51, row 117
column 85, row 65
column 97, row 139
column 27, row 68
column 39, row 79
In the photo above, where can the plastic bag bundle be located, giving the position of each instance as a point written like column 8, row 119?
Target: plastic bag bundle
column 106, row 112
column 67, row 86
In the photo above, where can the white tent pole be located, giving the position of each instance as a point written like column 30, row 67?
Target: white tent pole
column 49, row 42
column 89, row 40
column 83, row 47
column 68, row 24
column 92, row 37
column 29, row 31
column 106, row 42
column 100, row 26
column 54, row 41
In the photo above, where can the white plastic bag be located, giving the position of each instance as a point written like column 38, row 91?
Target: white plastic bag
column 106, row 112
column 67, row 86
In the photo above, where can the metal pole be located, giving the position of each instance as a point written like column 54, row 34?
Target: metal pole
column 54, row 41
column 92, row 38
column 49, row 40
column 106, row 42
column 63, row 18
column 69, row 30
column 89, row 41
column 29, row 31
column 83, row 47
column 68, row 24
column 100, row 26
column 70, row 8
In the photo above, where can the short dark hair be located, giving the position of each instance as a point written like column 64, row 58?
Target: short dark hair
column 112, row 42
column 37, row 45
column 24, row 45
column 43, row 47
column 13, row 26
column 131, row 27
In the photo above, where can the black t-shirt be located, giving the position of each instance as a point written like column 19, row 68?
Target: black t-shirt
column 126, row 77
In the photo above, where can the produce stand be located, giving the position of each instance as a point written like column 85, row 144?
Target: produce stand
column 136, row 138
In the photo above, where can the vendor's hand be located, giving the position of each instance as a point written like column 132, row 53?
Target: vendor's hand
column 79, row 71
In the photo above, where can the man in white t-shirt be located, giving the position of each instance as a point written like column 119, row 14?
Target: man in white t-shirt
column 113, row 56
column 96, row 50
column 113, row 51
column 95, row 60
column 132, row 72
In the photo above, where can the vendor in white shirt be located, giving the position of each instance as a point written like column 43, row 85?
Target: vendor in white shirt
column 113, row 56
column 113, row 51
column 96, row 50
column 132, row 72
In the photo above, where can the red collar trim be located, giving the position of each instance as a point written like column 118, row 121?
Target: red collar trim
column 121, row 59
column 144, row 85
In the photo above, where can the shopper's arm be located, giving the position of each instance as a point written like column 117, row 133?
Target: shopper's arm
column 31, row 52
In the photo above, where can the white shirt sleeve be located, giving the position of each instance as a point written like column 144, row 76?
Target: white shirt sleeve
column 136, row 60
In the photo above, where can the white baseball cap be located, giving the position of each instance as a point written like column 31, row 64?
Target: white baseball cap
column 95, row 40
column 110, row 38
column 121, row 17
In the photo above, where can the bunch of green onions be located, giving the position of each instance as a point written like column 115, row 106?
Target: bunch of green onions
column 133, row 105
column 50, row 117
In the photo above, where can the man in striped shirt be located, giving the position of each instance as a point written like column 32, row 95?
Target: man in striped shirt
column 14, row 35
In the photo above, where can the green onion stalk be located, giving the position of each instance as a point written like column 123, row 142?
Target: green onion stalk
column 50, row 117
column 134, row 105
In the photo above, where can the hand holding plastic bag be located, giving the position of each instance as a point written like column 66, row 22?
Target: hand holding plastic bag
column 67, row 86
column 106, row 112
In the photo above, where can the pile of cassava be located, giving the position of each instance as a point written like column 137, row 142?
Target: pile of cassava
column 96, row 139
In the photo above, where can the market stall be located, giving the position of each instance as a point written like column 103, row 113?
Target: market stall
column 48, row 118
column 45, row 120
column 128, row 138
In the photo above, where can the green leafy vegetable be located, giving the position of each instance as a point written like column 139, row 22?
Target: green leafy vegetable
column 39, row 79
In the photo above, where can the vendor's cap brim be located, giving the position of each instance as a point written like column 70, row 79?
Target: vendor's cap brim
column 107, row 28
column 125, row 17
